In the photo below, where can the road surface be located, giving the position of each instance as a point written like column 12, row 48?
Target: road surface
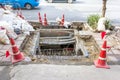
column 77, row 11
column 61, row 72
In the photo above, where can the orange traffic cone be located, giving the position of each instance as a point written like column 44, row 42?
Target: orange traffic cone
column 101, row 62
column 45, row 20
column 103, row 34
column 39, row 17
column 17, row 55
column 7, row 53
column 62, row 20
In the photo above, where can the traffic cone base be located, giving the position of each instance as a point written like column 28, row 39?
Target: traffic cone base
column 101, row 61
column 18, row 57
column 101, row 66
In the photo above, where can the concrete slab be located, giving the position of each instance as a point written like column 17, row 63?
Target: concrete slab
column 6, row 47
column 63, row 72
column 1, row 46
column 2, row 52
column 4, row 73
column 1, row 68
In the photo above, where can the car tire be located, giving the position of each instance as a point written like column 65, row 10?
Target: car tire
column 28, row 6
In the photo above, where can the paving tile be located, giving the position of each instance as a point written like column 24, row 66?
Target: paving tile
column 115, row 51
column 6, row 47
column 112, row 57
column 2, row 52
column 1, row 46
column 4, row 59
column 117, row 47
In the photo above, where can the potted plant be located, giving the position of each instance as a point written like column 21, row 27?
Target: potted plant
column 92, row 21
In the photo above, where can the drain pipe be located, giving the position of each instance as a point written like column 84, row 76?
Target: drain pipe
column 80, row 45
column 84, row 50
column 86, row 54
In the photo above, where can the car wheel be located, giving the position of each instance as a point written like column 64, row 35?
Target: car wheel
column 28, row 6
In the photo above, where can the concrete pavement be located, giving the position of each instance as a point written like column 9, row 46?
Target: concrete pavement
column 4, row 73
column 63, row 72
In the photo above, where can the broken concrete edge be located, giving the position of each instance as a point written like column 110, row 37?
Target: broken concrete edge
column 23, row 43
column 36, row 45
column 37, row 24
column 32, row 49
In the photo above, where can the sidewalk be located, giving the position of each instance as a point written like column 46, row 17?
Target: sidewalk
column 113, row 54
column 4, row 48
column 63, row 72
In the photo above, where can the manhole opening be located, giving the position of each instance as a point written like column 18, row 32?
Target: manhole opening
column 59, row 50
column 51, row 46
column 57, row 42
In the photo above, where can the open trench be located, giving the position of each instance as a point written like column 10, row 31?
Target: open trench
column 60, row 46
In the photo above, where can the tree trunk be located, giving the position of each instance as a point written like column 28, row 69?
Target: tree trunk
column 104, row 8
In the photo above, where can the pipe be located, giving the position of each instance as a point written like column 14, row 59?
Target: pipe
column 57, row 43
column 71, row 34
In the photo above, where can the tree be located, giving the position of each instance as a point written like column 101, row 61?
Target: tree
column 104, row 8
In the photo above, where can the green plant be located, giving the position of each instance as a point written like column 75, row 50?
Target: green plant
column 92, row 20
column 107, row 24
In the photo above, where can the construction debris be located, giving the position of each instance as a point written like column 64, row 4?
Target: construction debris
column 13, row 24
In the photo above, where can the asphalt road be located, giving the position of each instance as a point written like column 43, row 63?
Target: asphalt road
column 77, row 11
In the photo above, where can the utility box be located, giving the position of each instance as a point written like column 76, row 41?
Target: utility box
column 60, row 1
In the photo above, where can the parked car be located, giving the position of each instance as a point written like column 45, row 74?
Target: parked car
column 60, row 1
column 28, row 4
